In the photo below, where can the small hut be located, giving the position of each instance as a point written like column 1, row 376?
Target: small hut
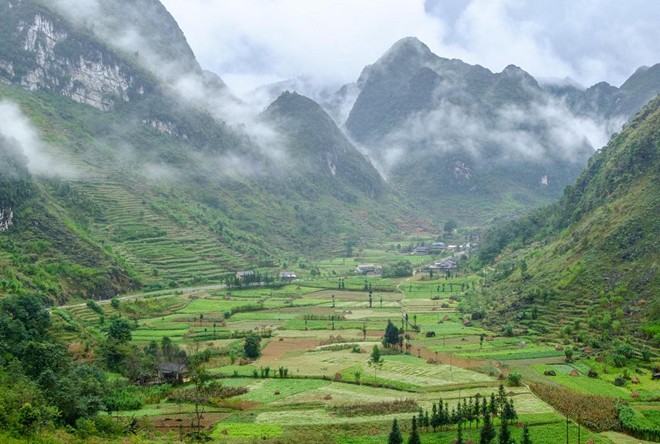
column 172, row 372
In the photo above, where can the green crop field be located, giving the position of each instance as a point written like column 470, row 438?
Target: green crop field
column 325, row 345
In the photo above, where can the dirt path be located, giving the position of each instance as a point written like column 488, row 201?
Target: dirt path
column 169, row 291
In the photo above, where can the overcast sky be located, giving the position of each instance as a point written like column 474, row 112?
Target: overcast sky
column 254, row 42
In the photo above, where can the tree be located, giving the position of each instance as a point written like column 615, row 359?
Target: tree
column 119, row 330
column 251, row 347
column 391, row 335
column 505, row 434
column 115, row 303
column 450, row 226
column 28, row 419
column 487, row 433
column 80, row 393
column 514, row 379
column 459, row 434
column 395, row 434
column 202, row 392
column 568, row 352
column 358, row 375
column 375, row 360
column 414, row 433
column 525, row 436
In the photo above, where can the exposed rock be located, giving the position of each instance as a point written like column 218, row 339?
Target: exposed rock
column 93, row 77
column 6, row 219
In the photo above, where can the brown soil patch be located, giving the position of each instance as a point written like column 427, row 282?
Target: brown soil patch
column 278, row 349
column 444, row 358
column 183, row 421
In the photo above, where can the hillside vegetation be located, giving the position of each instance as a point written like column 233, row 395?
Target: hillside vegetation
column 589, row 265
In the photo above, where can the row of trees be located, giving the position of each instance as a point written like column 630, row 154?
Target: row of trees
column 468, row 411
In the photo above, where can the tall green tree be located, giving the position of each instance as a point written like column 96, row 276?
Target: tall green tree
column 525, row 436
column 395, row 434
column 375, row 360
column 488, row 433
column 505, row 433
column 251, row 347
column 119, row 330
column 414, row 433
column 391, row 338
column 459, row 434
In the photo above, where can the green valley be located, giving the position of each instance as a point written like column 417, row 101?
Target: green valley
column 437, row 252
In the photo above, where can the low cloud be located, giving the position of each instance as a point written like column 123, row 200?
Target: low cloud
column 16, row 128
column 541, row 131
column 252, row 42
column 174, row 64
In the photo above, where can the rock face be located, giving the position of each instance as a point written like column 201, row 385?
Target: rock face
column 461, row 140
column 6, row 219
column 44, row 52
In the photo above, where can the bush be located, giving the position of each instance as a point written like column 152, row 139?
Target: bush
column 92, row 305
column 514, row 379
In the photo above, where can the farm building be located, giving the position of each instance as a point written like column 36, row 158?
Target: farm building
column 366, row 269
column 288, row 276
column 244, row 274
column 172, row 372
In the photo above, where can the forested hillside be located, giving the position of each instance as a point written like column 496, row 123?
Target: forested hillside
column 588, row 266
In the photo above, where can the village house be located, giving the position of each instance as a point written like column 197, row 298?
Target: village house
column 172, row 372
column 368, row 269
column 288, row 276
column 422, row 250
column 243, row 274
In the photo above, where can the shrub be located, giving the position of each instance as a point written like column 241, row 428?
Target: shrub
column 514, row 379
column 377, row 408
column 94, row 306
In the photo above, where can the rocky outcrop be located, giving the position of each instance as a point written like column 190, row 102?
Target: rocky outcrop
column 6, row 219
column 45, row 52
column 90, row 78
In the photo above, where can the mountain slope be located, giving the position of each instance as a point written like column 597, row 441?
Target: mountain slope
column 595, row 255
column 145, row 185
column 465, row 143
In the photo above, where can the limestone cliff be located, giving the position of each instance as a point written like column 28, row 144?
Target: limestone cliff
column 42, row 51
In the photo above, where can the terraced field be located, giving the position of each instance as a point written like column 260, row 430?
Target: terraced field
column 161, row 243
column 324, row 345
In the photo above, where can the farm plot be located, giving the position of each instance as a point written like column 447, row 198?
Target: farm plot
column 602, row 385
column 270, row 390
column 416, row 371
column 370, row 313
column 316, row 417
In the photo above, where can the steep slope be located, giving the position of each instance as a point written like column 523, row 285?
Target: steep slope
column 473, row 145
column 590, row 264
column 146, row 185
column 606, row 101
column 322, row 148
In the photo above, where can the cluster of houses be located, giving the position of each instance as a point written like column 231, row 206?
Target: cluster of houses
column 439, row 247
column 286, row 276
column 369, row 270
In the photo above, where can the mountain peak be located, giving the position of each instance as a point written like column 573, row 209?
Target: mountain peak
column 408, row 50
column 292, row 104
column 408, row 43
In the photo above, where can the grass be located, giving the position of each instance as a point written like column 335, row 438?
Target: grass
column 264, row 390
column 225, row 430
column 602, row 386
column 308, row 396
